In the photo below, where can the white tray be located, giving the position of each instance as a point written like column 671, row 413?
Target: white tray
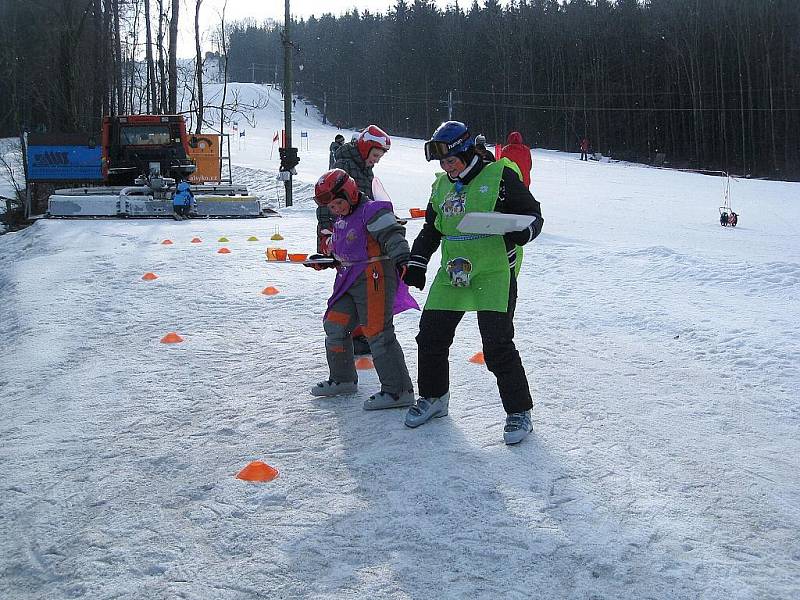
column 494, row 222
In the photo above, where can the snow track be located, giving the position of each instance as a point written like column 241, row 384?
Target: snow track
column 663, row 362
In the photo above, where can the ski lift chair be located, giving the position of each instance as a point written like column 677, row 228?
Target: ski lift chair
column 728, row 218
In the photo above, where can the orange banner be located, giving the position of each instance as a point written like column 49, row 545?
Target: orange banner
column 204, row 149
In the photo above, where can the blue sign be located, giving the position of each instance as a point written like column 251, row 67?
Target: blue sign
column 303, row 134
column 64, row 163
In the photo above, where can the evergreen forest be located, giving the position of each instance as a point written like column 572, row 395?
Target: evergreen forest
column 702, row 84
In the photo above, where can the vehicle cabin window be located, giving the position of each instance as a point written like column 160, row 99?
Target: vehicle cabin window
column 144, row 136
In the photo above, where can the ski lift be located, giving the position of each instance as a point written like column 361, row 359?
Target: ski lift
column 727, row 217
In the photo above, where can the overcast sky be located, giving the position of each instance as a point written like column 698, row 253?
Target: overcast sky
column 260, row 10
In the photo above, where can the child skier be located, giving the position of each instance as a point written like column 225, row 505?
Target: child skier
column 182, row 201
column 370, row 252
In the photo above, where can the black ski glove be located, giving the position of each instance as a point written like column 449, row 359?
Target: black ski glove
column 415, row 271
column 414, row 276
column 320, row 266
column 520, row 238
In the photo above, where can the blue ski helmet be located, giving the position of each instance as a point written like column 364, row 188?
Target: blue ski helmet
column 451, row 138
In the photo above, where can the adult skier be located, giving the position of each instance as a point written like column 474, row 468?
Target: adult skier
column 478, row 272
column 338, row 142
column 516, row 150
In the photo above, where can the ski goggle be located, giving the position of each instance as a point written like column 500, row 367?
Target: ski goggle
column 326, row 198
column 436, row 150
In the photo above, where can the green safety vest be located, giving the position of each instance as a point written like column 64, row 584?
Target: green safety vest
column 474, row 273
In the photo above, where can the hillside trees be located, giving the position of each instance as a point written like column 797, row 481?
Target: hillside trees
column 66, row 63
column 709, row 84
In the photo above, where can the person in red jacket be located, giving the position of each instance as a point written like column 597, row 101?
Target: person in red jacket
column 517, row 151
column 584, row 148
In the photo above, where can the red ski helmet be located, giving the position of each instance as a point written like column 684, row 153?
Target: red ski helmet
column 372, row 137
column 336, row 183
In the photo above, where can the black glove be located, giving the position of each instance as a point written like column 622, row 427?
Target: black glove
column 520, row 238
column 320, row 266
column 414, row 276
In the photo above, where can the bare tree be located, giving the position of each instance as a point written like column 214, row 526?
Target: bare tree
column 118, row 58
column 173, row 58
column 162, row 76
column 198, row 66
column 11, row 171
column 151, row 72
column 223, row 44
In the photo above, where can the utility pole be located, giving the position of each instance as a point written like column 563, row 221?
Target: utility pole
column 287, row 95
column 449, row 105
column 324, row 107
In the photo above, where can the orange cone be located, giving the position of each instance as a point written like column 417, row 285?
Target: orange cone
column 478, row 359
column 270, row 291
column 223, row 250
column 149, row 276
column 257, row 471
column 171, row 338
column 167, row 242
column 196, row 240
column 364, row 363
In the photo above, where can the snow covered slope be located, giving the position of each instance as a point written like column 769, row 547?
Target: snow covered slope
column 662, row 350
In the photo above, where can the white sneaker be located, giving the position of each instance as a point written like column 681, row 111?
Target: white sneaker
column 425, row 409
column 334, row 388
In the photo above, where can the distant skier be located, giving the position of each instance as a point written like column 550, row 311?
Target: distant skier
column 337, row 143
column 371, row 252
column 585, row 148
column 182, row 201
column 517, row 151
column 478, row 273
column 481, row 149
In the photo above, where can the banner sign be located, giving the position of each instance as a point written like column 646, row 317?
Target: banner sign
column 204, row 149
column 64, row 163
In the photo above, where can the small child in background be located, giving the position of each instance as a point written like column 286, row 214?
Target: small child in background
column 182, row 201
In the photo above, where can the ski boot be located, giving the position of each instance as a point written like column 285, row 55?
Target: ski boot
column 518, row 426
column 425, row 409
column 389, row 400
column 334, row 388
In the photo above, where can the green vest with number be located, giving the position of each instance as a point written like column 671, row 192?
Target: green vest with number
column 474, row 273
